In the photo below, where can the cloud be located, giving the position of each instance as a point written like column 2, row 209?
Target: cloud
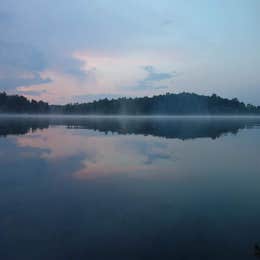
column 12, row 82
column 42, row 37
column 153, row 75
column 71, row 66
column 32, row 92
column 25, row 57
column 21, row 65
column 152, row 79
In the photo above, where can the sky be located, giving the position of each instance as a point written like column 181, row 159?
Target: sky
column 77, row 51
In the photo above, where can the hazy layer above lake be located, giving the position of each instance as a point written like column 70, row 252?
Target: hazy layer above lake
column 129, row 188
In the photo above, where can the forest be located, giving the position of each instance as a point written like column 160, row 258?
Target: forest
column 167, row 104
column 20, row 104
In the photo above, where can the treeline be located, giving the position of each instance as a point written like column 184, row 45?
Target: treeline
column 20, row 104
column 168, row 104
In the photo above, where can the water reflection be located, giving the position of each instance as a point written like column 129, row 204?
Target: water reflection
column 168, row 127
column 114, row 189
column 21, row 126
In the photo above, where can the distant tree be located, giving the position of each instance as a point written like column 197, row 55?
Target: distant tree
column 20, row 104
column 168, row 104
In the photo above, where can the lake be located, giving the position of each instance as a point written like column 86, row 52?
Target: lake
column 129, row 187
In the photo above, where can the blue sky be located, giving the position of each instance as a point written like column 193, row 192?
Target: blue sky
column 67, row 51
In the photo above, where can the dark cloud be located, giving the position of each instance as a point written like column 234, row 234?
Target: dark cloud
column 70, row 66
column 54, row 31
column 25, row 57
column 18, row 59
column 153, row 77
column 43, row 35
column 12, row 82
column 20, row 65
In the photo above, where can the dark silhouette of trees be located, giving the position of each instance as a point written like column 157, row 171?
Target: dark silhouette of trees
column 20, row 104
column 168, row 104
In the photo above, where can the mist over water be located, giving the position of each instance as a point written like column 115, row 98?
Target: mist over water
column 129, row 187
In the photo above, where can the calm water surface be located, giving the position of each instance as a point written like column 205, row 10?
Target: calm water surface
column 129, row 188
